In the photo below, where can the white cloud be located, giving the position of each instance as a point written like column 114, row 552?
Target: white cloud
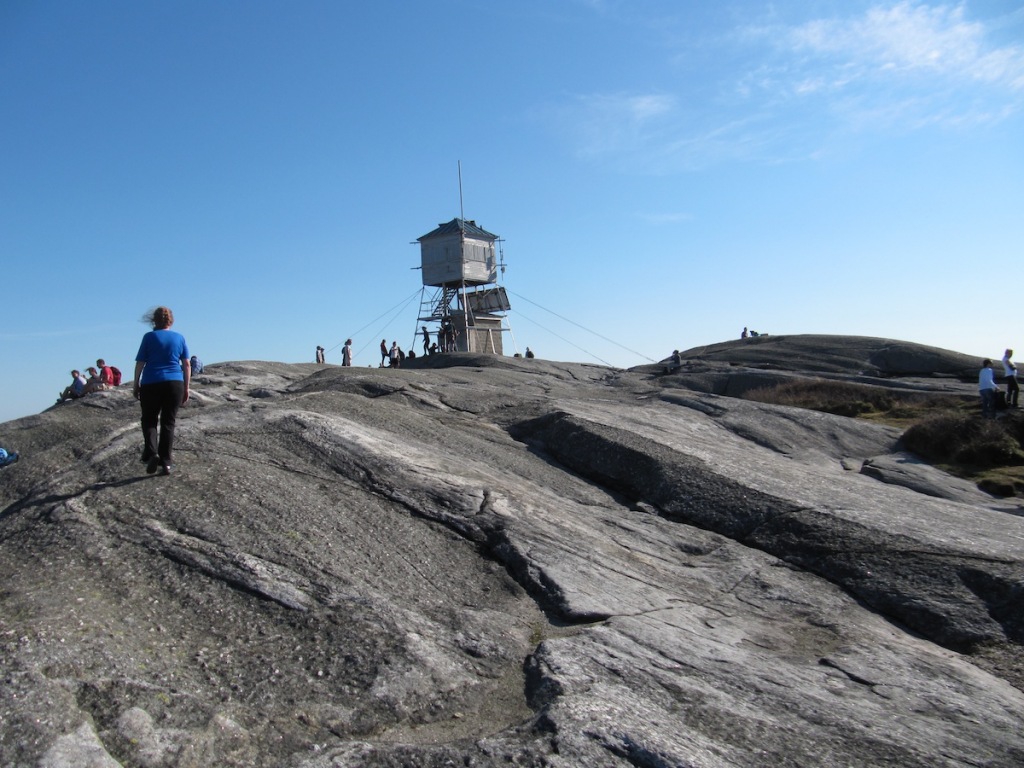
column 783, row 92
column 911, row 38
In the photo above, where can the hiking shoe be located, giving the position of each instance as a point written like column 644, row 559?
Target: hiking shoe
column 153, row 465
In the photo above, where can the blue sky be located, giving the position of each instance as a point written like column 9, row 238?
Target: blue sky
column 662, row 173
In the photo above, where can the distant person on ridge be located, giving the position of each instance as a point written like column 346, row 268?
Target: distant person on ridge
column 676, row 362
column 162, row 375
column 987, row 389
column 1012, row 387
column 319, row 354
column 529, row 353
column 195, row 364
column 426, row 340
column 383, row 352
column 346, row 353
column 744, row 333
column 395, row 355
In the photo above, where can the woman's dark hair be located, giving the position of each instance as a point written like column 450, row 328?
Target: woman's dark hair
column 160, row 318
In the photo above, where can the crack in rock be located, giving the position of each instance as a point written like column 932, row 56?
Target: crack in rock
column 240, row 569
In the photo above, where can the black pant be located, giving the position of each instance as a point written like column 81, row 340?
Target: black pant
column 160, row 402
column 1012, row 390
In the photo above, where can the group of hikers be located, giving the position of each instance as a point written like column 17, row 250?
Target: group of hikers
column 993, row 398
column 447, row 341
column 394, row 356
column 101, row 377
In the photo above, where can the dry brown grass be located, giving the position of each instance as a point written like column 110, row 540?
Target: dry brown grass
column 849, row 399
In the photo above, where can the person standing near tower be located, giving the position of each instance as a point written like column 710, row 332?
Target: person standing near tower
column 346, row 353
column 1012, row 387
column 987, row 389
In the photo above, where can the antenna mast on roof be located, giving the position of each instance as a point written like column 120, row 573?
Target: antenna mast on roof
column 462, row 210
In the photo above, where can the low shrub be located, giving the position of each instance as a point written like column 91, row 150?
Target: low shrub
column 837, row 397
column 937, row 438
column 966, row 440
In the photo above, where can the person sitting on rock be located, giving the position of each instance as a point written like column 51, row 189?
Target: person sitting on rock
column 676, row 363
column 74, row 390
column 95, row 381
column 106, row 374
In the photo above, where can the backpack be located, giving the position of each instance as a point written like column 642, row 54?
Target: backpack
column 116, row 373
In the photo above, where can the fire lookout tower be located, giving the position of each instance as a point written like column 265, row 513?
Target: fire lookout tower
column 467, row 306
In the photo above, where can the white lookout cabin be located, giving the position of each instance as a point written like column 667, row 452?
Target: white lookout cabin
column 458, row 259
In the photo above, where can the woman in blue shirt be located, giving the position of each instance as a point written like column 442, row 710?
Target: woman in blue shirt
column 162, row 374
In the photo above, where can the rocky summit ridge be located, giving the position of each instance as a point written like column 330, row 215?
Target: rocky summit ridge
column 484, row 561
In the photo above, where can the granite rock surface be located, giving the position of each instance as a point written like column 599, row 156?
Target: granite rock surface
column 492, row 561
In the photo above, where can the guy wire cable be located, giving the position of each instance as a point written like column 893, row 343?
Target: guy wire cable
column 400, row 306
column 611, row 341
column 562, row 338
column 397, row 313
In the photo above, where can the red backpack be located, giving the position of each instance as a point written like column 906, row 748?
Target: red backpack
column 116, row 373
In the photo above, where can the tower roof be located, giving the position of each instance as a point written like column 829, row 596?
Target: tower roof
column 457, row 225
